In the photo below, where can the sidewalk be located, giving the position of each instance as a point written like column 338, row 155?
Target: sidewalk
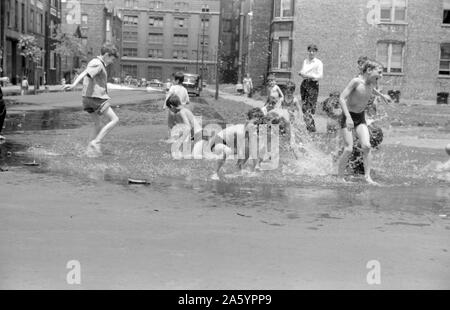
column 14, row 90
column 320, row 120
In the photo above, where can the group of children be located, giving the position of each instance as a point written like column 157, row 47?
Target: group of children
column 279, row 109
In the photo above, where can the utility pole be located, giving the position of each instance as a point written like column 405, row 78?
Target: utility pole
column 202, row 16
column 241, row 42
column 219, row 45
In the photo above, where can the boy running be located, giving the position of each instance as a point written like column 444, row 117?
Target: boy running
column 354, row 100
column 95, row 96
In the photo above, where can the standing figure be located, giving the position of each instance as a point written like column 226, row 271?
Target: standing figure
column 248, row 85
column 311, row 72
column 24, row 86
column 95, row 96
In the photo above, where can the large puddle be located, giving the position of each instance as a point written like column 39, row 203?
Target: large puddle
column 414, row 180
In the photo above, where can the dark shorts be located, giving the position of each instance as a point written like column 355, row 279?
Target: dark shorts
column 358, row 119
column 97, row 105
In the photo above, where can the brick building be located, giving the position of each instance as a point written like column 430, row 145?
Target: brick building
column 94, row 22
column 32, row 17
column 162, row 37
column 410, row 37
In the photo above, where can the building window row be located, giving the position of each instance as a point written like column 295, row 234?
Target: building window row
column 156, row 5
column 444, row 61
column 130, row 36
column 181, row 6
column 130, row 70
column 446, row 17
column 180, row 22
column 180, row 39
column 155, row 53
column 131, row 3
column 130, row 20
column 180, row 54
column 155, row 38
column 130, row 51
column 156, row 21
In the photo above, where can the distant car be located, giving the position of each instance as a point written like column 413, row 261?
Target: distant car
column 191, row 82
column 155, row 83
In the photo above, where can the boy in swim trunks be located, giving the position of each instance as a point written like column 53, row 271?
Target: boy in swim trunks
column 354, row 100
column 95, row 95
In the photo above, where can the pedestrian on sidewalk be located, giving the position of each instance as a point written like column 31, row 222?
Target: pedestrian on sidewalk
column 24, row 85
column 95, row 96
column 311, row 72
column 248, row 85
column 2, row 111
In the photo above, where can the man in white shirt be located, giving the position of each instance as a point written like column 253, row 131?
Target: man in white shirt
column 311, row 72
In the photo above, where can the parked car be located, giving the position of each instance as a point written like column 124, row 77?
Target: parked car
column 155, row 83
column 192, row 83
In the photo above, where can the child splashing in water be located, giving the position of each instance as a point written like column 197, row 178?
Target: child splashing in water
column 275, row 97
column 354, row 100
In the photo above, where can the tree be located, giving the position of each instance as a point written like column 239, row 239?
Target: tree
column 68, row 45
column 32, row 52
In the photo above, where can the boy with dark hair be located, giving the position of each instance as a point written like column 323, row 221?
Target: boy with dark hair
column 95, row 96
column 174, row 105
column 354, row 100
column 311, row 72
column 179, row 90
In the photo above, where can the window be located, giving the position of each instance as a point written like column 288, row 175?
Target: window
column 155, row 53
column 180, row 39
column 444, row 62
column 31, row 25
column 130, row 20
column 283, row 8
column 16, row 20
column 204, row 40
column 179, row 22
column 84, row 19
column 154, row 73
column 180, row 54
column 446, row 19
column 392, row 11
column 205, row 23
column 156, row 21
column 390, row 55
column 156, row 38
column 181, row 6
column 155, row 4
column 52, row 60
column 130, row 70
column 227, row 25
column 205, row 55
column 38, row 22
column 131, row 3
column 205, row 8
column 282, row 53
column 130, row 51
column 108, row 25
column 130, row 36
column 84, row 41
column 23, row 18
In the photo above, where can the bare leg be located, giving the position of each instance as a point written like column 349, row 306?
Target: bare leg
column 113, row 120
column 364, row 137
column 348, row 148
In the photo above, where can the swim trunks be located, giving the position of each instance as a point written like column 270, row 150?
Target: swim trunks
column 358, row 119
column 98, row 105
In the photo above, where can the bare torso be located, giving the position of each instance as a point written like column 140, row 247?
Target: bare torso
column 359, row 98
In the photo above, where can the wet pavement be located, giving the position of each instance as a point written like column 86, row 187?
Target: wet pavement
column 301, row 193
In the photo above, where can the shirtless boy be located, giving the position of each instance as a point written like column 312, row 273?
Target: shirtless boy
column 354, row 100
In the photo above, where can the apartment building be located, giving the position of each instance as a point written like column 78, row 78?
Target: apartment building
column 162, row 37
column 32, row 17
column 411, row 38
column 94, row 22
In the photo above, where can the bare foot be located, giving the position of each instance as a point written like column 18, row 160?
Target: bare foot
column 93, row 149
column 371, row 182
